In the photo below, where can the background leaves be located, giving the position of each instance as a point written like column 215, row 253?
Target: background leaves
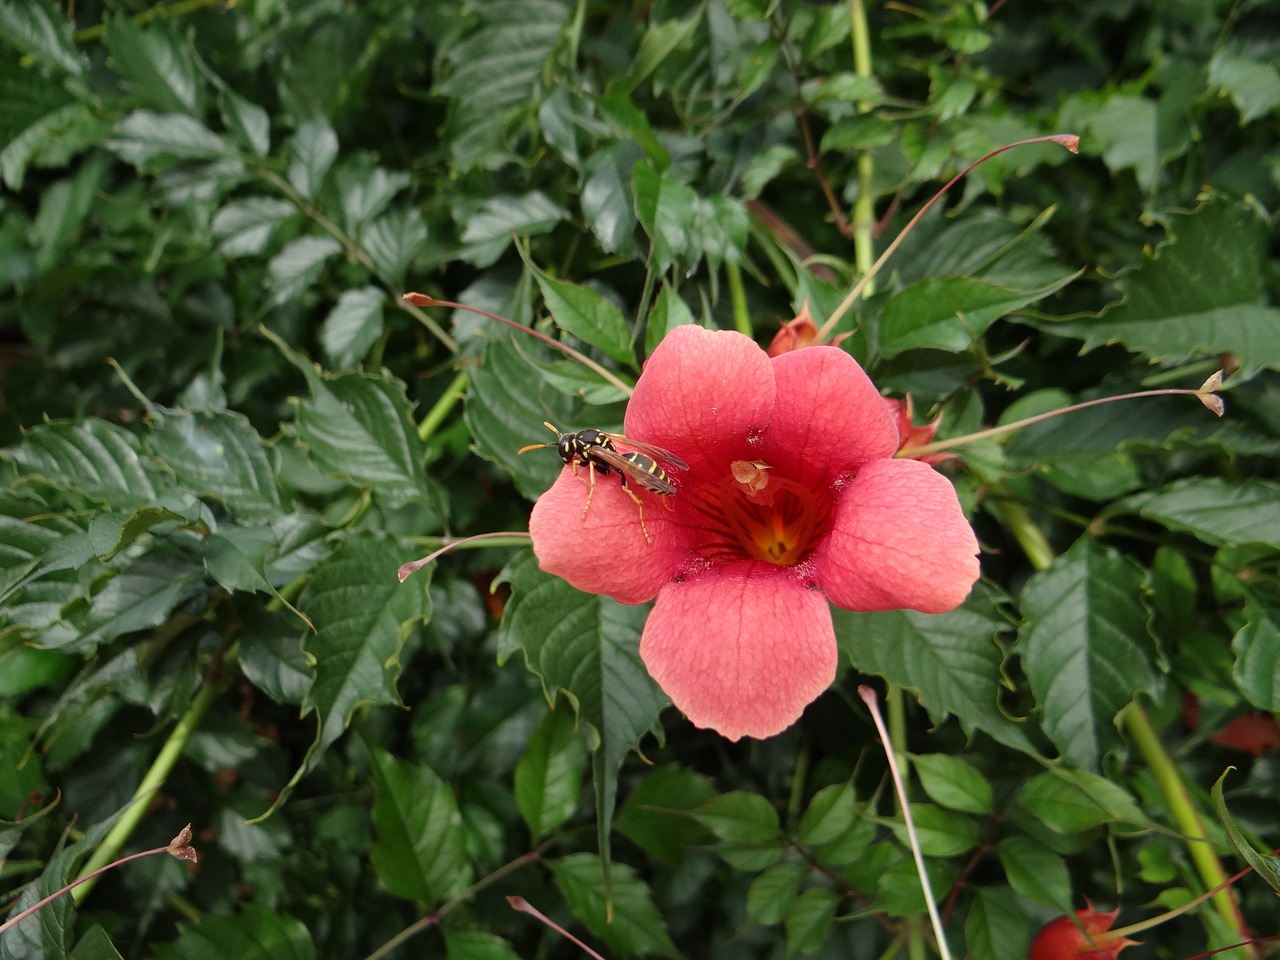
column 222, row 430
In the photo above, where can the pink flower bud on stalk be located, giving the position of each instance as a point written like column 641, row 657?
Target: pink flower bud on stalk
column 179, row 848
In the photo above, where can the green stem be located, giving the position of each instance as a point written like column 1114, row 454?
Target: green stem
column 1185, row 815
column 163, row 765
column 863, row 206
column 159, row 11
column 436, row 415
column 741, row 318
column 1030, row 537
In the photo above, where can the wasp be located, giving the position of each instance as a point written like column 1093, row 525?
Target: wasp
column 599, row 451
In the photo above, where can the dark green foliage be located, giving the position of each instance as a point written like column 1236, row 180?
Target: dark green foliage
column 222, row 431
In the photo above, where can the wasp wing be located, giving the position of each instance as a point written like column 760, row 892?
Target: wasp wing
column 649, row 450
column 652, row 482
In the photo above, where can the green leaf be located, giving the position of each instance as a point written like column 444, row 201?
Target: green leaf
column 1257, row 649
column 1267, row 867
column 1086, row 648
column 951, row 660
column 665, row 209
column 358, row 426
column 548, row 778
column 633, row 925
column 660, row 40
column 507, row 402
column 236, row 557
column 139, row 598
column 420, row 853
column 607, row 204
column 476, row 945
column 353, row 326
column 155, row 65
column 248, row 122
column 829, row 815
column 216, row 453
column 1215, row 510
column 245, row 227
column 1073, row 801
column 770, row 896
column 808, row 921
column 393, row 240
column 272, row 659
column 254, row 933
column 95, row 945
column 37, row 28
column 941, row 832
column 1253, row 85
column 741, row 816
column 356, row 648
column 654, row 815
column 996, row 927
column 489, row 74
column 953, row 784
column 588, row 316
column 669, row 311
column 93, row 457
column 489, row 226
column 312, row 151
column 1197, row 294
column 620, row 111
column 295, row 269
column 62, row 131
column 951, row 313
column 1036, row 872
column 144, row 135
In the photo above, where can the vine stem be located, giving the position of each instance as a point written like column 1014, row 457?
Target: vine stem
column 1068, row 140
column 864, row 214
column 1186, row 816
column 154, row 779
column 504, row 538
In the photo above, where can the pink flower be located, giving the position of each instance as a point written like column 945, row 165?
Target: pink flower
column 1086, row 937
column 793, row 499
column 913, row 436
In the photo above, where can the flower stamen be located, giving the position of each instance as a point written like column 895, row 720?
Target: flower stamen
column 774, row 519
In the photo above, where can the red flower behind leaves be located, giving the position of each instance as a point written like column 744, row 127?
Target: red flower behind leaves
column 1063, row 938
column 915, row 436
column 793, row 500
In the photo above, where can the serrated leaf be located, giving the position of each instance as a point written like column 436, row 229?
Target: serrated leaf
column 665, row 208
column 61, row 130
column 607, row 203
column 295, row 269
column 489, row 227
column 1086, row 648
column 654, row 815
column 660, row 40
column 588, row 316
column 952, row 783
column 620, row 111
column 808, row 921
column 272, row 658
column 633, row 925
column 420, row 853
column 1196, row 295
column 38, row 29
column 951, row 660
column 356, row 646
column 1072, row 801
column 145, row 134
column 255, row 932
column 93, row 457
column 1267, row 867
column 236, row 558
column 1215, row 510
column 507, row 401
column 951, row 313
column 393, row 240
column 154, row 64
column 216, row 453
column 312, row 151
column 250, row 123
column 1036, row 872
column 1257, row 649
column 244, row 227
column 138, row 598
column 548, row 778
column 1253, row 85
column 771, row 894
column 353, row 325
column 489, row 74
column 996, row 927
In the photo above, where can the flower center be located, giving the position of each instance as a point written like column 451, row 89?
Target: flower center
column 774, row 519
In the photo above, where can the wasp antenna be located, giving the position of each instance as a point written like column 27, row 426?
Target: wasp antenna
column 550, row 426
column 533, row 446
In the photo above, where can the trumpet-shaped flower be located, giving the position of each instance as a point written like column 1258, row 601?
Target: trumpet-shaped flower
column 793, row 500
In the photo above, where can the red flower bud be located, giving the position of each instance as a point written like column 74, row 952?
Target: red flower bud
column 1064, row 938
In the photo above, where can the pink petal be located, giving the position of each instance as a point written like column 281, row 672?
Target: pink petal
column 701, row 395
column 828, row 416
column 899, row 540
column 742, row 650
column 606, row 552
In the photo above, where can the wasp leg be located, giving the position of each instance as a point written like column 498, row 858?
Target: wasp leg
column 639, row 510
column 591, row 485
